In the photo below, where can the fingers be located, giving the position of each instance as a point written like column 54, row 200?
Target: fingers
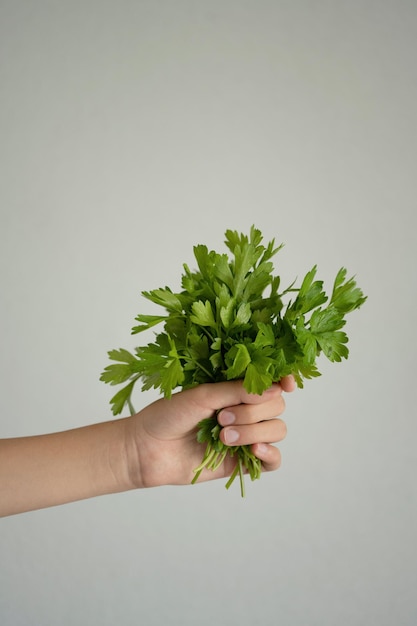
column 235, row 405
column 269, row 431
column 273, row 405
column 257, row 424
column 269, row 455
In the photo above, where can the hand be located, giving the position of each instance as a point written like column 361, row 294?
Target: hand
column 165, row 449
column 154, row 447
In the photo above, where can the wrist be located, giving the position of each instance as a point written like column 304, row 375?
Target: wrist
column 131, row 475
column 148, row 462
column 115, row 464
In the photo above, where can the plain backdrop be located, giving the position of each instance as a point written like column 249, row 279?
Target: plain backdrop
column 129, row 132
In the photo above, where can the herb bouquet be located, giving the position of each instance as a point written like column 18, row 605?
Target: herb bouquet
column 231, row 320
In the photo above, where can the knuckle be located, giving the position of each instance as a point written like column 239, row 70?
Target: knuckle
column 280, row 405
column 284, row 429
column 278, row 459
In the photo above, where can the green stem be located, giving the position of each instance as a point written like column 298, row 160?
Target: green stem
column 197, row 475
column 131, row 407
column 214, row 457
column 221, row 457
column 233, row 476
column 242, row 479
column 208, row 456
column 205, row 370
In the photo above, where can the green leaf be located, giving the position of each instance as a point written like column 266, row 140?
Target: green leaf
column 257, row 281
column 122, row 355
column 206, row 264
column 309, row 345
column 235, row 239
column 171, row 376
column 199, row 348
column 208, row 430
column 237, row 359
column 245, row 258
column 310, row 295
column 190, row 280
column 243, row 315
column 325, row 327
column 257, row 379
column 332, row 344
column 346, row 296
column 164, row 297
column 217, row 344
column 327, row 320
column 116, row 374
column 227, row 313
column 222, row 270
column 122, row 398
column 216, row 360
column 148, row 321
column 202, row 314
column 271, row 251
column 304, row 370
column 265, row 336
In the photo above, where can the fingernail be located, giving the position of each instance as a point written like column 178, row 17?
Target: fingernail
column 262, row 448
column 230, row 435
column 227, row 418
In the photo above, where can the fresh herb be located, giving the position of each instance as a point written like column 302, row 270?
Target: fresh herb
column 232, row 321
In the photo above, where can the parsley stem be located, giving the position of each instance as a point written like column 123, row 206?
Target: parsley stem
column 209, row 374
column 220, row 458
column 242, row 478
column 233, row 476
column 197, row 475
column 210, row 453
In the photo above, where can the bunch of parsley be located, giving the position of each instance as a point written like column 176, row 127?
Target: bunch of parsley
column 230, row 322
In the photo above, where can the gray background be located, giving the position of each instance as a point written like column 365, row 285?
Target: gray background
column 130, row 131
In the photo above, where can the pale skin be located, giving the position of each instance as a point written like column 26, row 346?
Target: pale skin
column 154, row 447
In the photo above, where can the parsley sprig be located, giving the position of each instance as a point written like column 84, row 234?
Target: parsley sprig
column 231, row 320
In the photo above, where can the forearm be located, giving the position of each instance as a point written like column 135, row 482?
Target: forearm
column 47, row 470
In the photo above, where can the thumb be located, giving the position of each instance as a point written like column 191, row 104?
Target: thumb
column 214, row 396
column 193, row 405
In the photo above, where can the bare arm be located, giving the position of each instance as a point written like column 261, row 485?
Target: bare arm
column 45, row 470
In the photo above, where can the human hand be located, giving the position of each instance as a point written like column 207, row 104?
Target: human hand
column 157, row 446
column 163, row 445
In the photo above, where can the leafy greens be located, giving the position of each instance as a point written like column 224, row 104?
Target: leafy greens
column 229, row 321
